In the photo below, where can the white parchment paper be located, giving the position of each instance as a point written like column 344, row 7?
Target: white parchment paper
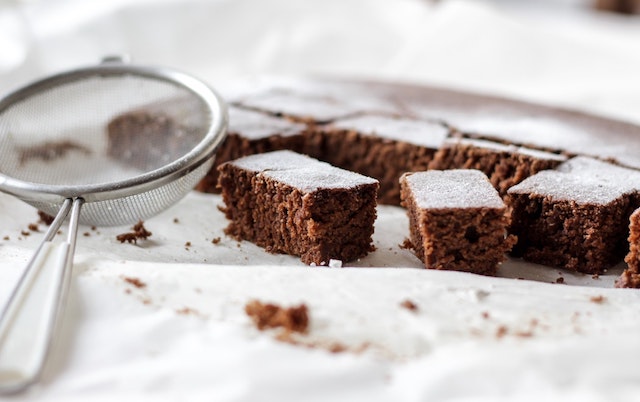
column 184, row 336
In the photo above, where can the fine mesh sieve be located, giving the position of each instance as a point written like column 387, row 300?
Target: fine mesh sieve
column 107, row 145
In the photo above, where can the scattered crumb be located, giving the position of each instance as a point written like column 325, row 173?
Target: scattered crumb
column 335, row 263
column 139, row 232
column 94, row 228
column 485, row 315
column 33, row 227
column 524, row 334
column 501, row 331
column 176, row 220
column 25, row 233
column 598, row 299
column 187, row 244
column 146, row 301
column 45, row 218
column 595, row 276
column 127, row 291
column 6, row 238
column 187, row 311
column 560, row 280
column 86, row 234
column 406, row 244
column 409, row 305
column 135, row 282
column 267, row 315
column 216, row 240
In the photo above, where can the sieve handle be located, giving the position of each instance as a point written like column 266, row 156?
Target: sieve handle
column 28, row 322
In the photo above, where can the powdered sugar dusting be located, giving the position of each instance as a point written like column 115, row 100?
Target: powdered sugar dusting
column 583, row 180
column 256, row 125
column 419, row 132
column 461, row 188
column 302, row 172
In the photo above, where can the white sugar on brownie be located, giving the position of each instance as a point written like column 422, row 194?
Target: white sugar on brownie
column 290, row 203
column 575, row 217
column 457, row 220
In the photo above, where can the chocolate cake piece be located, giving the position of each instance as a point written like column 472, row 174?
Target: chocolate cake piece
column 249, row 133
column 505, row 165
column 457, row 220
column 575, row 217
column 293, row 204
column 153, row 135
column 379, row 146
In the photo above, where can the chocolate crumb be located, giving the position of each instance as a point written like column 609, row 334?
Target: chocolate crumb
column 595, row 276
column 187, row 311
column 187, row 244
column 86, row 234
column 216, row 240
column 560, row 280
column 94, row 228
column 45, row 218
column 501, row 331
column 25, row 233
column 406, row 244
column 176, row 220
column 139, row 232
column 485, row 315
column 267, row 315
column 409, row 305
column 6, row 238
column 33, row 227
column 599, row 299
column 135, row 282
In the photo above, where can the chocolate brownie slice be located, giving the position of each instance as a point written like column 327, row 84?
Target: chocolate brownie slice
column 575, row 217
column 505, row 165
column 151, row 136
column 457, row 220
column 293, row 204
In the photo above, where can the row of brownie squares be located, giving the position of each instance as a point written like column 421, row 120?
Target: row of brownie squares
column 384, row 142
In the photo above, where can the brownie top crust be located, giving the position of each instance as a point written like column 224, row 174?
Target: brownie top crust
column 419, row 132
column 446, row 189
column 256, row 125
column 302, row 172
column 583, row 180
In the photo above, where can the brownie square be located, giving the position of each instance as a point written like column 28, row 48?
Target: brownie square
column 293, row 204
column 457, row 220
column 575, row 217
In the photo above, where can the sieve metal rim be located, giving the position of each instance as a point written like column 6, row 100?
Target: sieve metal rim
column 201, row 153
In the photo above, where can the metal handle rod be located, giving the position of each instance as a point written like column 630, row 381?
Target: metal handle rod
column 28, row 321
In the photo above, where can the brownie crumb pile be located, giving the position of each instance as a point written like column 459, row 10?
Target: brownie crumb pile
column 267, row 315
column 139, row 232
